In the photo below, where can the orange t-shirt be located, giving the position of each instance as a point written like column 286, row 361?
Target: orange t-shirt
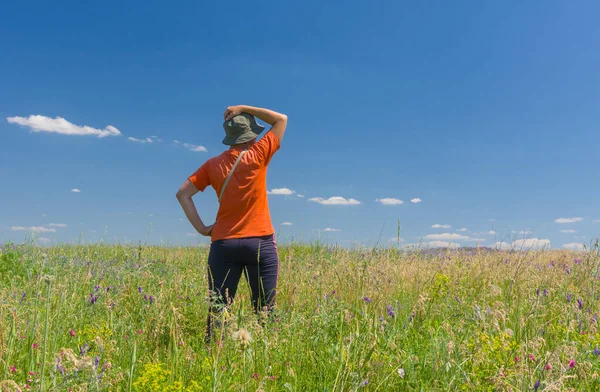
column 244, row 208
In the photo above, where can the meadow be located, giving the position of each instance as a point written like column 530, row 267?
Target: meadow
column 132, row 318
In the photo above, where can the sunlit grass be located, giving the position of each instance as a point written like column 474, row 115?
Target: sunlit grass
column 111, row 317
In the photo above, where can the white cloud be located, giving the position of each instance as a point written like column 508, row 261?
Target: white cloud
column 530, row 243
column 438, row 226
column 568, row 220
column 281, row 191
column 390, row 201
column 43, row 240
column 57, row 225
column 146, row 140
column 501, row 245
column 446, row 236
column 463, row 229
column 415, row 200
column 59, row 125
column 491, row 232
column 286, row 224
column 596, row 221
column 299, row 195
column 37, row 229
column 329, row 229
column 75, row 190
column 523, row 232
column 568, row 231
column 573, row 246
column 335, row 200
column 193, row 147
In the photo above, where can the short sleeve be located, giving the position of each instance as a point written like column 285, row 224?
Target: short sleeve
column 266, row 147
column 200, row 178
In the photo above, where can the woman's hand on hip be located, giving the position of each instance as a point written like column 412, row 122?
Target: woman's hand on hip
column 207, row 230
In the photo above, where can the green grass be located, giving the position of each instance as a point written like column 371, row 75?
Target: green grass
column 379, row 320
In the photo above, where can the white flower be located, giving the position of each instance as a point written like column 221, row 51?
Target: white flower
column 401, row 372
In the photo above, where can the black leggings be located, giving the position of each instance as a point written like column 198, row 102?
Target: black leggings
column 256, row 257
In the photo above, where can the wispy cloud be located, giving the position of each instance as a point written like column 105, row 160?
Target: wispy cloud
column 438, row 226
column 568, row 231
column 470, row 239
column 596, row 221
column 522, row 232
column 568, row 220
column 286, row 224
column 415, row 200
column 57, row 225
column 61, row 126
column 142, row 141
column 329, row 229
column 463, row 229
column 390, row 201
column 281, row 191
column 191, row 147
column 573, row 246
column 335, row 200
column 299, row 195
column 75, row 190
column 447, row 236
column 37, row 229
column 491, row 232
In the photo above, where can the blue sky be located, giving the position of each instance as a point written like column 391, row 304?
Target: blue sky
column 486, row 111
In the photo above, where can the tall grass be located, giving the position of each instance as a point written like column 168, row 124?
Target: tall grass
column 120, row 318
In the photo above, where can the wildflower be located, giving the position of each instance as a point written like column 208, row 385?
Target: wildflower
column 536, row 385
column 140, row 332
column 35, row 345
column 367, row 300
column 13, row 369
column 243, row 336
column 580, row 303
column 537, row 291
column 552, row 264
column 71, row 332
column 596, row 351
column 548, row 366
column 83, row 350
column 577, row 261
column 569, row 297
column 255, row 376
column 531, row 358
column 571, row 363
column 151, row 299
column 108, row 289
column 140, row 289
column 22, row 298
column 390, row 311
column 545, row 293
column 96, row 287
column 96, row 362
column 516, row 359
column 457, row 299
column 364, row 383
column 93, row 298
column 401, row 372
column 145, row 297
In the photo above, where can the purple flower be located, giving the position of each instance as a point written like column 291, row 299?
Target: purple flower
column 536, row 385
column 108, row 289
column 151, row 299
column 457, row 299
column 83, row 350
column 552, row 264
column 96, row 362
column 22, row 298
column 577, row 261
column 569, row 297
column 364, row 383
column 567, row 270
column 367, row 300
column 596, row 351
column 140, row 289
column 390, row 311
column 96, row 288
column 93, row 298
column 545, row 293
column 580, row 303
column 595, row 318
column 537, row 291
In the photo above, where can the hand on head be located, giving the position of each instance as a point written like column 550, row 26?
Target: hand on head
column 231, row 112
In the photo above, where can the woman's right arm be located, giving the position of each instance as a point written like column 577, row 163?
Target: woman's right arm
column 277, row 121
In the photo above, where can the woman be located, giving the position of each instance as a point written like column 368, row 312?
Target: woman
column 242, row 238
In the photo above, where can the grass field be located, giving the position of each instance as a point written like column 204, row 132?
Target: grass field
column 121, row 318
